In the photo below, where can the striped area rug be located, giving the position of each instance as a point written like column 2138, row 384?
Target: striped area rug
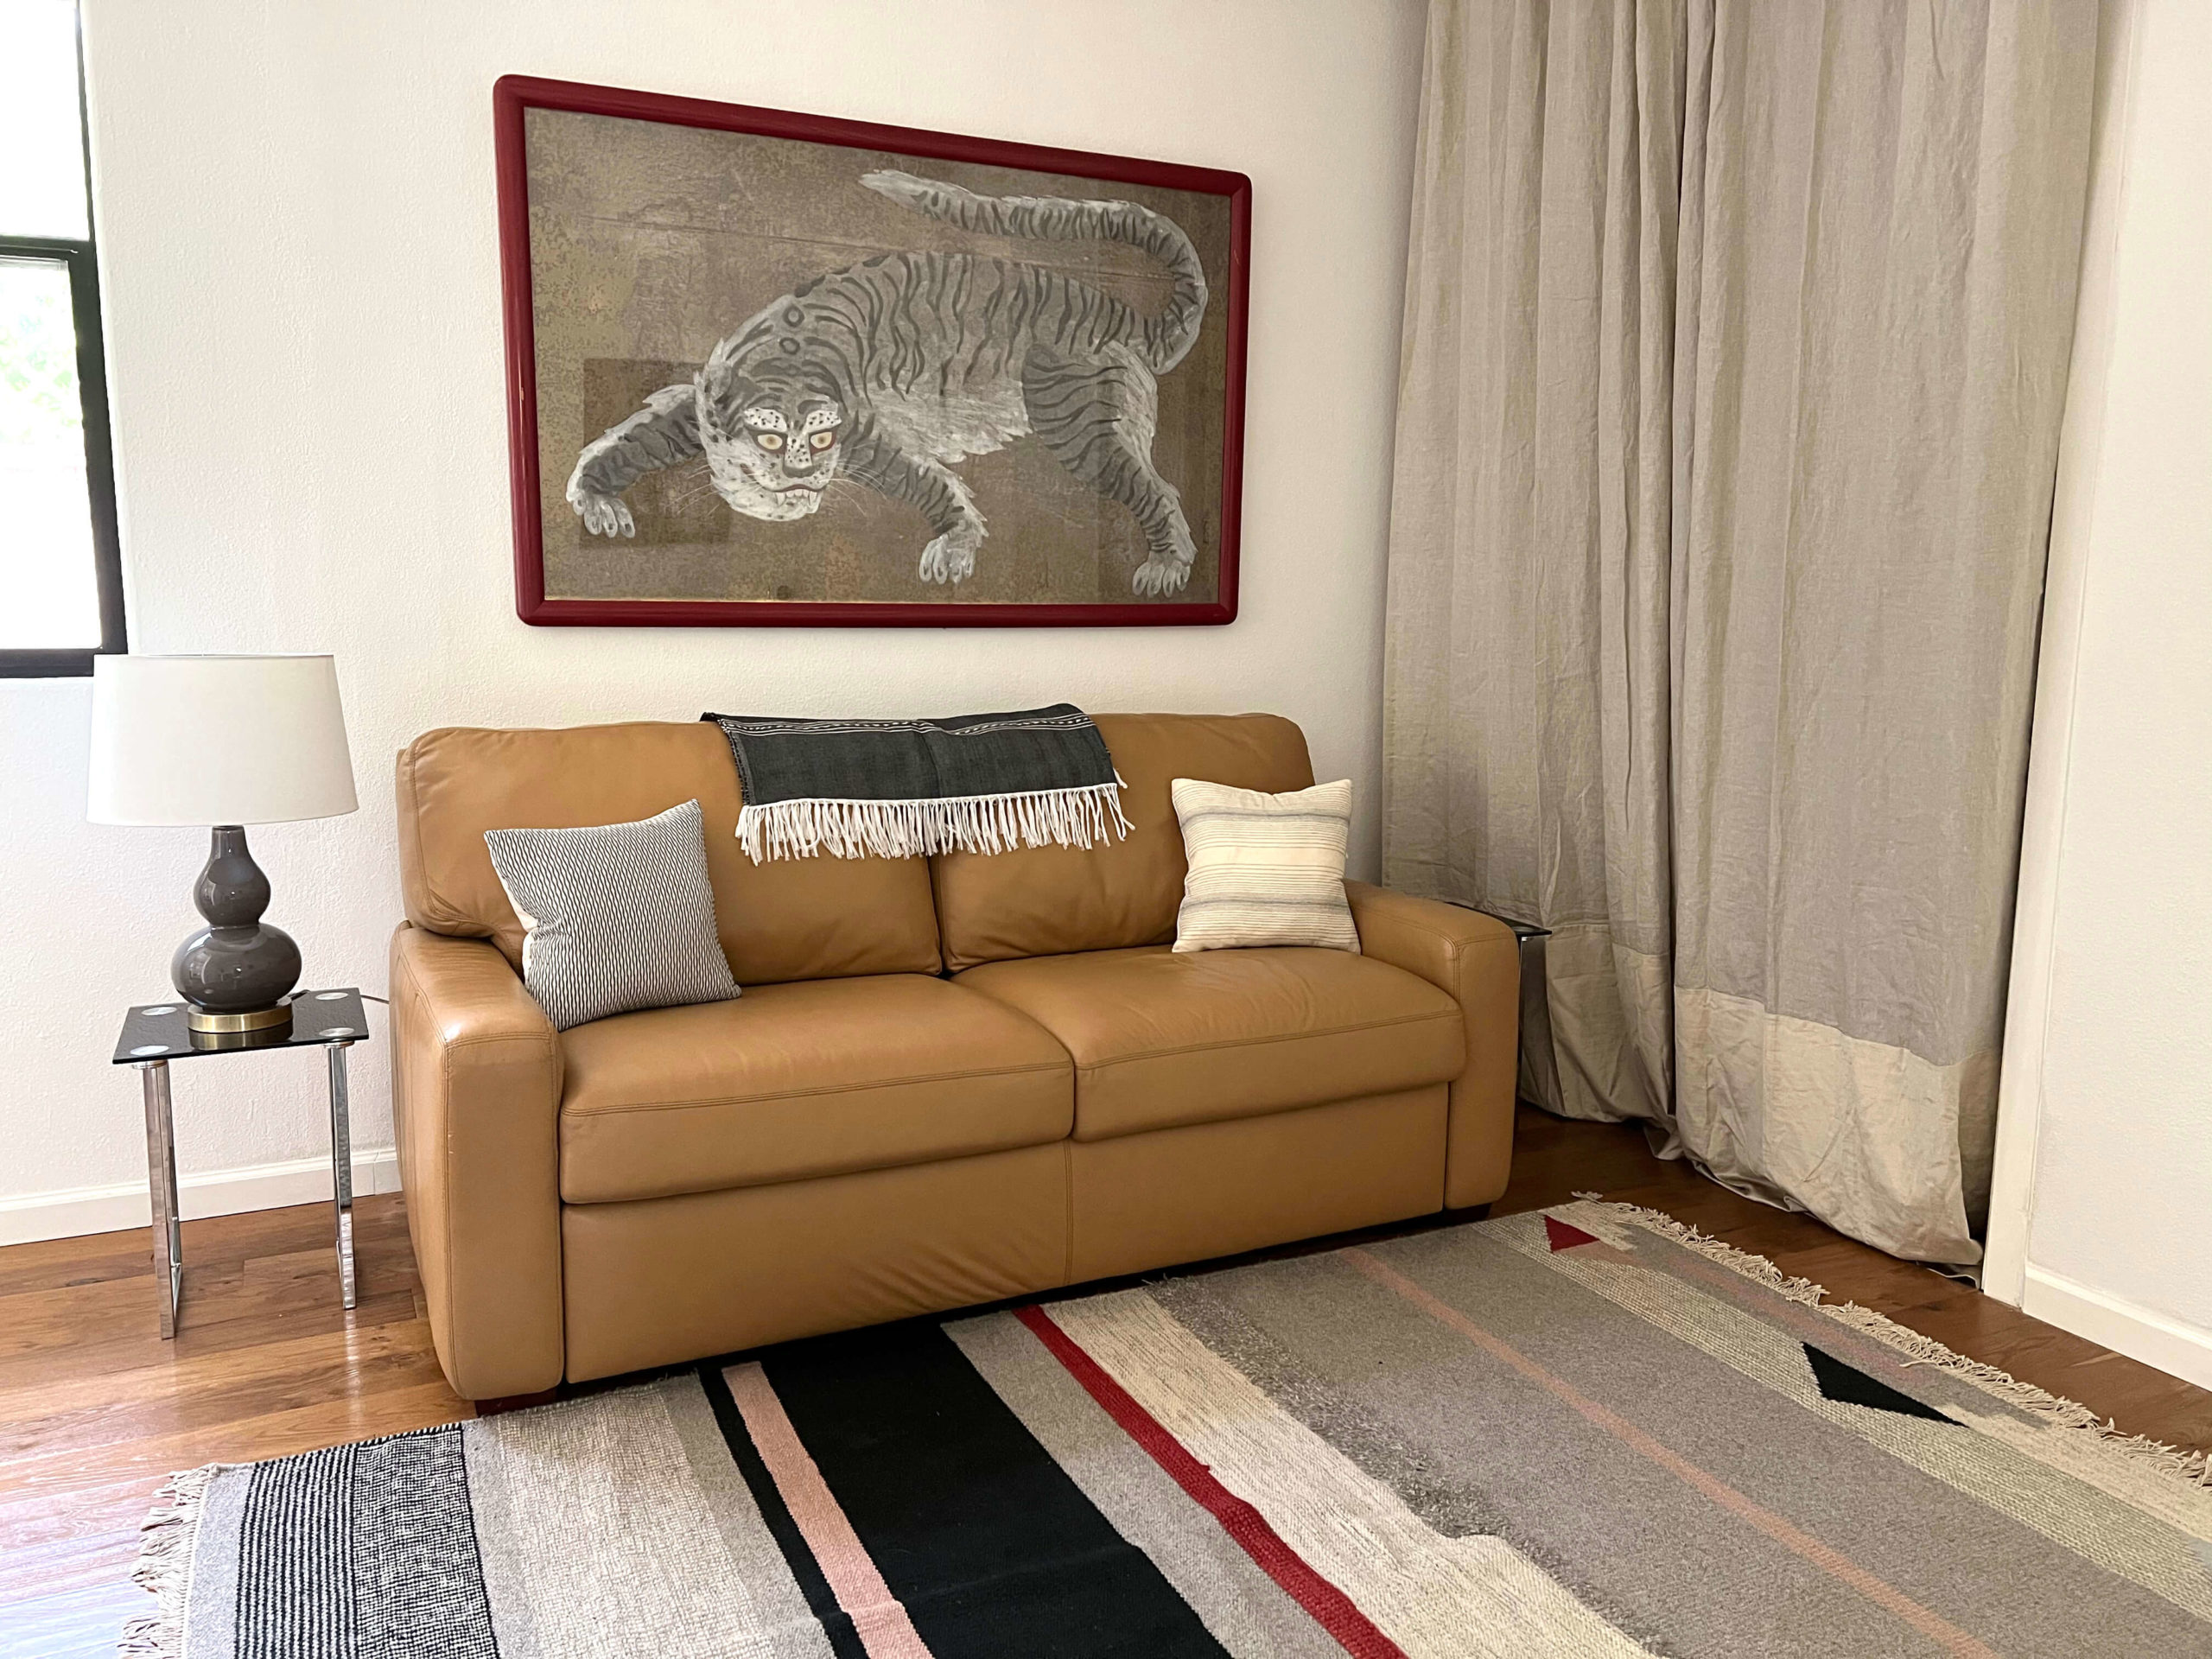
column 1583, row 1432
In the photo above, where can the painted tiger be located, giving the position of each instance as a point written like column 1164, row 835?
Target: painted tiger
column 887, row 371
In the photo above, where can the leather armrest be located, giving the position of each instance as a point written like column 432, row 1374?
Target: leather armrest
column 1476, row 961
column 476, row 1105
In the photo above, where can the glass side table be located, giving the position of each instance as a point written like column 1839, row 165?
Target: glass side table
column 1538, row 1064
column 156, row 1034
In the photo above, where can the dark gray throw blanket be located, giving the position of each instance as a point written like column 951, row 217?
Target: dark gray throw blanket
column 896, row 788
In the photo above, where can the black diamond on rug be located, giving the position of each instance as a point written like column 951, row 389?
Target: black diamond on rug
column 1854, row 1388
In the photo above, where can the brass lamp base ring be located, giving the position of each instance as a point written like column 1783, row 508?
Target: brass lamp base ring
column 251, row 1020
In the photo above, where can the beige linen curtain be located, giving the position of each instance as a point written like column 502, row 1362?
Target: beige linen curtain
column 1735, row 349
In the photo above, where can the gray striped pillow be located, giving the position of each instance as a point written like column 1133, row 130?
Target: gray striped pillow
column 618, row 917
column 1265, row 869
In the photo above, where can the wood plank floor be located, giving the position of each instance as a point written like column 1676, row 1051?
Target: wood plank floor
column 95, row 1409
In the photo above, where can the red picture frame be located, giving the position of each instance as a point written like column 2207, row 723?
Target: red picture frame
column 514, row 94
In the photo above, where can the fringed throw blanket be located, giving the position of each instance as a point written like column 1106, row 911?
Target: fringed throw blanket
column 897, row 788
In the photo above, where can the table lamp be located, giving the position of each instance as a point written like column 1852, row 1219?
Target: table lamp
column 225, row 741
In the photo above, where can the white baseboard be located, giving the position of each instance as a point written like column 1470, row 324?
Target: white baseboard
column 2177, row 1349
column 76, row 1210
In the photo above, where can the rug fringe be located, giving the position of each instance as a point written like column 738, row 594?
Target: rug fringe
column 969, row 823
column 2193, row 1468
column 167, row 1539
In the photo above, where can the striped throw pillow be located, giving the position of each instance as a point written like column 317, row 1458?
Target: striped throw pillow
column 618, row 918
column 1265, row 869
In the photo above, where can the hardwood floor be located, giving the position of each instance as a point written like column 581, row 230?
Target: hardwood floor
column 95, row 1409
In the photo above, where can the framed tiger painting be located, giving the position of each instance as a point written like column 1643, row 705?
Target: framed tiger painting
column 784, row 369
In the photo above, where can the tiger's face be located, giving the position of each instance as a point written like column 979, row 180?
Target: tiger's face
column 770, row 453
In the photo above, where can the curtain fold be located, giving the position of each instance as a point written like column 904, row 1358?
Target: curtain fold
column 1734, row 355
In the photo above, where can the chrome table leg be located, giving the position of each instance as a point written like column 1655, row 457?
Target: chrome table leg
column 341, row 1168
column 161, row 1184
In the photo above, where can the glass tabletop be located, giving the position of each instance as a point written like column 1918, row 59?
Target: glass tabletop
column 159, row 1032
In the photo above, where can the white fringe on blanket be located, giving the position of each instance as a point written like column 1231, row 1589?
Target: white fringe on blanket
column 965, row 823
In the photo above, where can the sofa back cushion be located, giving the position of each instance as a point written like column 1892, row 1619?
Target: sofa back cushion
column 791, row 920
column 1046, row 901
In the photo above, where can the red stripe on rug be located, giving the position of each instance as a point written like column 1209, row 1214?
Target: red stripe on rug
column 1332, row 1609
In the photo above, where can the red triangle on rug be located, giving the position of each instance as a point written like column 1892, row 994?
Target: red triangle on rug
column 1564, row 1237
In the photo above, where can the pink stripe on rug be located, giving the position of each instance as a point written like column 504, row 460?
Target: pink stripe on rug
column 1792, row 1538
column 1332, row 1609
column 878, row 1617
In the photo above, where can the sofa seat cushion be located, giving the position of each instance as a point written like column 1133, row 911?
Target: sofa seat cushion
column 1161, row 1039
column 817, row 1077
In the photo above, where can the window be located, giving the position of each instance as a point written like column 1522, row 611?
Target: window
column 60, row 578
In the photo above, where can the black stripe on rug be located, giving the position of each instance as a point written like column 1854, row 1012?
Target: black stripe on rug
column 295, row 1578
column 993, row 1550
column 365, row 1550
column 821, row 1601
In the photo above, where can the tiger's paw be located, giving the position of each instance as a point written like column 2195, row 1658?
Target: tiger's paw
column 949, row 559
column 1153, row 578
column 603, row 515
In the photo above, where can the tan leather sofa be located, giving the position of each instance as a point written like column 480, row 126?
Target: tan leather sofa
column 949, row 1080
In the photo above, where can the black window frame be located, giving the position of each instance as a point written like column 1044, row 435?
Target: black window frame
column 81, row 260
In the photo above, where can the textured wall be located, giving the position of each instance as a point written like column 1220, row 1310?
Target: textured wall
column 295, row 208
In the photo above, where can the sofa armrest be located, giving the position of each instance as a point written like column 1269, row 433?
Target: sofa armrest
column 1476, row 961
column 476, row 1106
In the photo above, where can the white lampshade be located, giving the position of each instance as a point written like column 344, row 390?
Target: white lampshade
column 218, row 739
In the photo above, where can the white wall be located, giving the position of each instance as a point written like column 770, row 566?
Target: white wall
column 294, row 204
column 2098, row 1222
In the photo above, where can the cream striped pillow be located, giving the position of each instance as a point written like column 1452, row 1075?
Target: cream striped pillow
column 1265, row 869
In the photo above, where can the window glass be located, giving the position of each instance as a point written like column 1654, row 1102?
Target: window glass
column 47, row 567
column 41, row 138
